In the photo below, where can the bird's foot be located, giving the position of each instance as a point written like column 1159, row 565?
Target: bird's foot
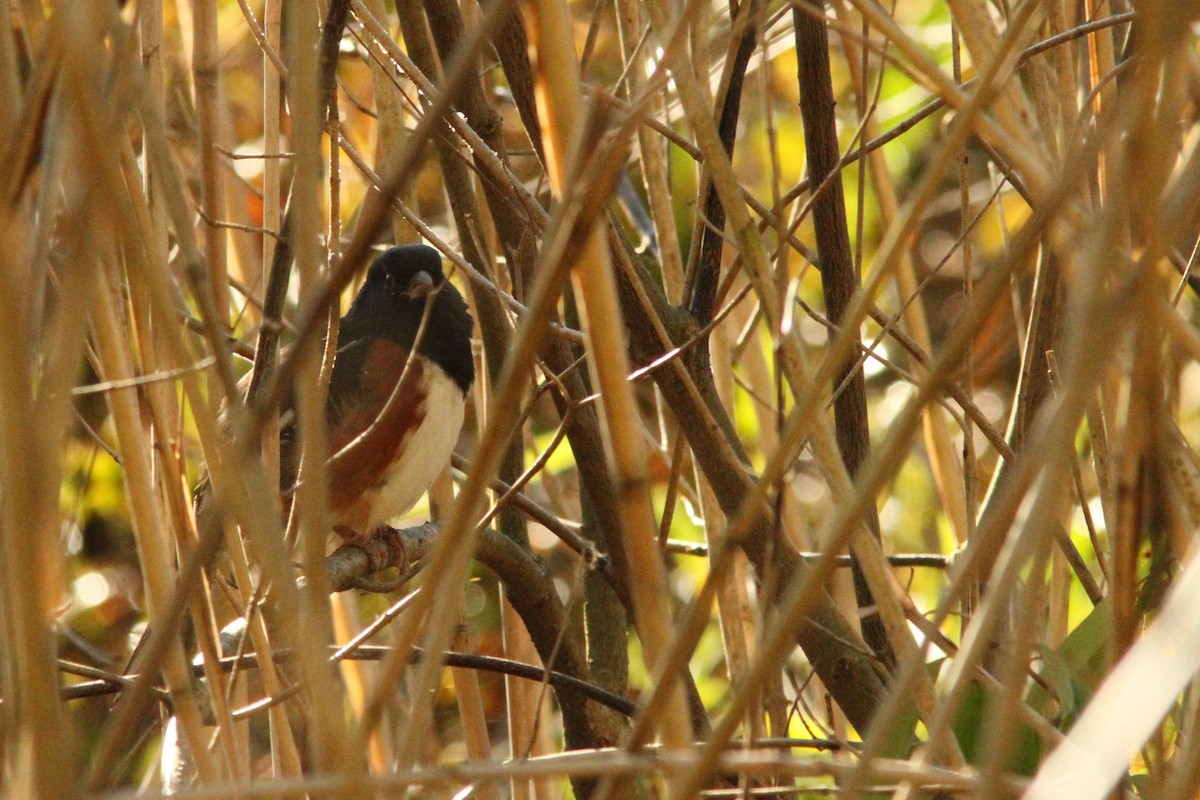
column 384, row 549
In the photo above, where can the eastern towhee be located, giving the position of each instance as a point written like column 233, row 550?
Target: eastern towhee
column 397, row 394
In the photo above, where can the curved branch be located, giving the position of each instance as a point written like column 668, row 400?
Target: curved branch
column 530, row 590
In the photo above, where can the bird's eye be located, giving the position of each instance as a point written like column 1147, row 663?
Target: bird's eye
column 389, row 282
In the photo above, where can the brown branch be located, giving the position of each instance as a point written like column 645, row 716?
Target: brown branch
column 106, row 684
column 512, row 46
column 839, row 277
column 707, row 273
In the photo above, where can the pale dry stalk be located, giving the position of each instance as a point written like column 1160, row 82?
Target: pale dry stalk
column 560, row 109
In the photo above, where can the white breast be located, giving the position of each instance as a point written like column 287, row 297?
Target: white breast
column 426, row 451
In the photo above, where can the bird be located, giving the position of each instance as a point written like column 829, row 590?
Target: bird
column 397, row 392
column 397, row 395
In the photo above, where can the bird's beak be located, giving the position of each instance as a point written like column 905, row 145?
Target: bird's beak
column 420, row 286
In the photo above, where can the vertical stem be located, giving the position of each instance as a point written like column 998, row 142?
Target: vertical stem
column 971, row 479
column 331, row 745
column 470, row 704
column 273, row 28
column 522, row 717
column 205, row 72
column 37, row 757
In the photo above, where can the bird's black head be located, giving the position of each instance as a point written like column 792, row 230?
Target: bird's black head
column 392, row 301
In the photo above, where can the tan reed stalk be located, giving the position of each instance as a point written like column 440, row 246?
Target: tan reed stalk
column 333, row 745
column 38, row 758
column 206, row 77
column 560, row 113
column 734, row 610
column 470, row 703
column 153, row 356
